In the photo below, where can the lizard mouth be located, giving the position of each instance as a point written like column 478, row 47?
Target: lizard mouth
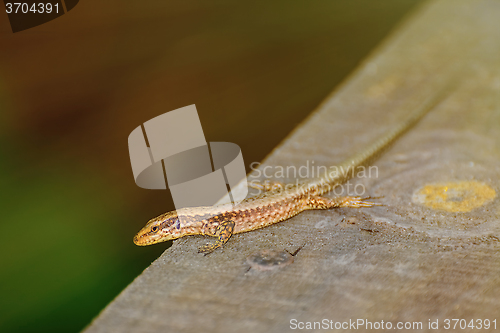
column 138, row 240
column 141, row 240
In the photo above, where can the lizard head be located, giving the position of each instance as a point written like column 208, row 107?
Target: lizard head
column 160, row 229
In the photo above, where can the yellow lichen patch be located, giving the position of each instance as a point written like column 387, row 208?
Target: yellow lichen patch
column 461, row 196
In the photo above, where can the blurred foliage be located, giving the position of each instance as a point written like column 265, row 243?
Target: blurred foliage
column 66, row 250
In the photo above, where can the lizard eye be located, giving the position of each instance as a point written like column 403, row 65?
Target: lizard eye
column 154, row 229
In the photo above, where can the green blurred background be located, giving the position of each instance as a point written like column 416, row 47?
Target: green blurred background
column 73, row 89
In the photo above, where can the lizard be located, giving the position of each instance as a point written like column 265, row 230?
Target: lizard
column 277, row 203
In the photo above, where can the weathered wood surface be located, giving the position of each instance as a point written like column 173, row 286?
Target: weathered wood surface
column 402, row 262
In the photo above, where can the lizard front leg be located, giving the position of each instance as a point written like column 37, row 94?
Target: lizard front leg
column 223, row 233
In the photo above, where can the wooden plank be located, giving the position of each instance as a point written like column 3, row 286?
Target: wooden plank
column 403, row 262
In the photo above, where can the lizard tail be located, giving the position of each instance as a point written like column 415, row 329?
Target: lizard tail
column 343, row 172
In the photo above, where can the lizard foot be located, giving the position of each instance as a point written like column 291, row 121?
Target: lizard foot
column 358, row 202
column 223, row 233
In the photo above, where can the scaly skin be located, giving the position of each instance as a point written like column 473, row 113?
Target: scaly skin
column 276, row 205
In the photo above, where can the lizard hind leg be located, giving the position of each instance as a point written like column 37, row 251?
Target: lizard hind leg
column 318, row 202
column 223, row 233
